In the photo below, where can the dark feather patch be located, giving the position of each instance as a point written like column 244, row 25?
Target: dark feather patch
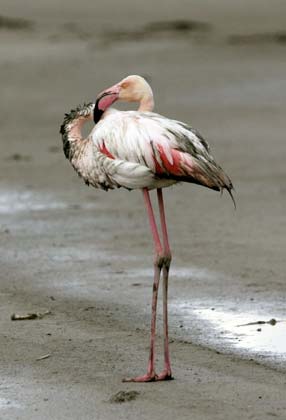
column 80, row 111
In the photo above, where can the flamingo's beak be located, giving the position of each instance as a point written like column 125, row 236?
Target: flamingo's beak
column 106, row 98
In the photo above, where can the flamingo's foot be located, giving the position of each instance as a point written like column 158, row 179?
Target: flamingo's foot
column 148, row 377
column 165, row 375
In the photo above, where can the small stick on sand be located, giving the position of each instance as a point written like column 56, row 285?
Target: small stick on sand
column 39, row 315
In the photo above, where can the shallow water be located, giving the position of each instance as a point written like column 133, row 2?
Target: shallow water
column 261, row 335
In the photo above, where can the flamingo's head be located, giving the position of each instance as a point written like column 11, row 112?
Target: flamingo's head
column 134, row 89
column 130, row 89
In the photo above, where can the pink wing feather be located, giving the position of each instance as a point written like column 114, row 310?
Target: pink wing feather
column 169, row 148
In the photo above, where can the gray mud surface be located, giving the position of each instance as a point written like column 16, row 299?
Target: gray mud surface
column 86, row 255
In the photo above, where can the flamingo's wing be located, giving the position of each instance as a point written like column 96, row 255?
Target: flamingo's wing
column 168, row 148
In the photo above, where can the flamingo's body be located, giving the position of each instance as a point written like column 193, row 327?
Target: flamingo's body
column 140, row 149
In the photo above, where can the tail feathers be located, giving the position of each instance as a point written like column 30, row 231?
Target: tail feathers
column 225, row 183
column 211, row 175
column 229, row 190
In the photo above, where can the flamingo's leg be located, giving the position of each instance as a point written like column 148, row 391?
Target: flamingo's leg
column 166, row 373
column 158, row 263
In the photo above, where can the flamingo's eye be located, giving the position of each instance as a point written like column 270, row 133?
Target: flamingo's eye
column 124, row 85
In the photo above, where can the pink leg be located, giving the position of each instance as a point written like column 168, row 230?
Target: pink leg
column 166, row 373
column 151, row 375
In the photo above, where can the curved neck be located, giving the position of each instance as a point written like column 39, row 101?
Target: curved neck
column 72, row 125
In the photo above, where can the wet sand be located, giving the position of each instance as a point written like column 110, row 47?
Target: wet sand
column 86, row 255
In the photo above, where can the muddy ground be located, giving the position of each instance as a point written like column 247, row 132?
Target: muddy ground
column 86, row 255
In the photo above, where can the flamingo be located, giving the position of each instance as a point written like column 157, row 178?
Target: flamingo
column 141, row 150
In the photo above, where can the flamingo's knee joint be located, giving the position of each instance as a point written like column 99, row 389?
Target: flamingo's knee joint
column 163, row 260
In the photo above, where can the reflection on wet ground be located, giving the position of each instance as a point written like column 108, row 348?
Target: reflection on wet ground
column 226, row 326
column 13, row 201
column 261, row 335
column 17, row 201
column 194, row 273
column 7, row 403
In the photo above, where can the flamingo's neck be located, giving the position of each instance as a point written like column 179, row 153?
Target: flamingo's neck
column 74, row 132
column 72, row 125
column 146, row 103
